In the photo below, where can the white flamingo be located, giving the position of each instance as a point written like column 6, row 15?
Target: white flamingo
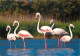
column 58, row 31
column 67, row 38
column 43, row 29
column 22, row 33
column 10, row 36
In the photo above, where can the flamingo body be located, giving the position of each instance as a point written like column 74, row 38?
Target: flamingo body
column 59, row 31
column 24, row 34
column 45, row 29
column 11, row 37
column 65, row 38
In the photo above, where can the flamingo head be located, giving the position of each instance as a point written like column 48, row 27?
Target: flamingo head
column 37, row 14
column 71, row 25
column 14, row 22
column 52, row 20
column 7, row 27
column 17, row 36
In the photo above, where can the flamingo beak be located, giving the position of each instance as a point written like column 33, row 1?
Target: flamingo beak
column 13, row 24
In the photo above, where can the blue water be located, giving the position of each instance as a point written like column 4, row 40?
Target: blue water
column 35, row 47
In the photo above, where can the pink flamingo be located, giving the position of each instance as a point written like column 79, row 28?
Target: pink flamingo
column 67, row 38
column 58, row 31
column 10, row 36
column 43, row 29
column 22, row 33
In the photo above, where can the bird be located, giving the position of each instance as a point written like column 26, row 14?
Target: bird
column 67, row 38
column 43, row 29
column 10, row 36
column 22, row 33
column 57, row 31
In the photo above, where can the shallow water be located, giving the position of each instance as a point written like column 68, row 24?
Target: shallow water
column 35, row 47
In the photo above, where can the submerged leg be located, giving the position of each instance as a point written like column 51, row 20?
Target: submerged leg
column 58, row 41
column 24, row 43
column 61, row 44
column 45, row 42
column 14, row 44
column 10, row 44
column 64, row 44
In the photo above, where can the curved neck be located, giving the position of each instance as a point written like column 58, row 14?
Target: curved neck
column 38, row 24
column 9, row 30
column 16, row 27
column 71, row 35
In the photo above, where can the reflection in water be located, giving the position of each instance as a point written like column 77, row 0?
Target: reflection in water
column 56, row 52
column 41, row 52
column 15, row 52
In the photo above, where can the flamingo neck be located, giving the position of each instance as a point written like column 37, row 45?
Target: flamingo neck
column 52, row 25
column 16, row 28
column 9, row 30
column 38, row 24
column 71, row 35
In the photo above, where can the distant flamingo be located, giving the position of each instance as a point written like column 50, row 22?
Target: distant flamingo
column 10, row 36
column 67, row 38
column 43, row 29
column 22, row 33
column 58, row 31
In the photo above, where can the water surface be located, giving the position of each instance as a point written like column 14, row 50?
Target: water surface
column 35, row 47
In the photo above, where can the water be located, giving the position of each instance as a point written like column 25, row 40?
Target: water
column 35, row 47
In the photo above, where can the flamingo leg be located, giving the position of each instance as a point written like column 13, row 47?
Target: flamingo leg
column 64, row 44
column 45, row 42
column 24, row 43
column 10, row 44
column 14, row 44
column 58, row 41
column 61, row 43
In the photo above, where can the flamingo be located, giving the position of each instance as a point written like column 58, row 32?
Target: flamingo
column 67, row 38
column 58, row 31
column 22, row 33
column 43, row 29
column 10, row 36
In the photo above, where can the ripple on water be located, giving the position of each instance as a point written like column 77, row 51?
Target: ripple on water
column 42, row 52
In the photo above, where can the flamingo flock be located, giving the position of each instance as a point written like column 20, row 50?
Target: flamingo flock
column 23, row 34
